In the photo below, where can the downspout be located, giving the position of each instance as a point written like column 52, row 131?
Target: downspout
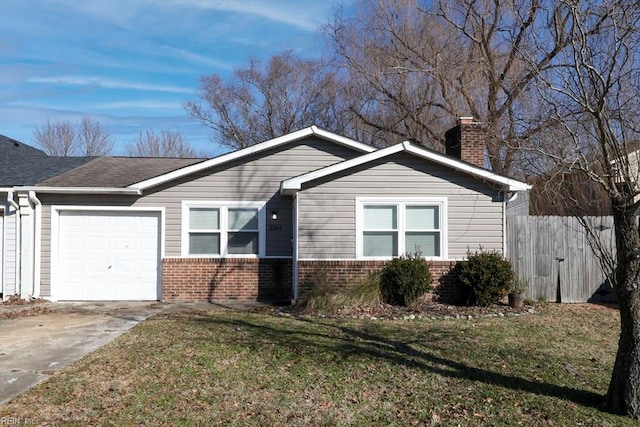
column 18, row 232
column 507, row 199
column 295, row 248
column 37, row 239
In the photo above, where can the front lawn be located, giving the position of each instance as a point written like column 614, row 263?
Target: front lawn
column 234, row 368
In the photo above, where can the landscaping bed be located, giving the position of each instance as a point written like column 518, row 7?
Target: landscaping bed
column 424, row 310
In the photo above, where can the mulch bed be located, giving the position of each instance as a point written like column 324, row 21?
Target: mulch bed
column 421, row 311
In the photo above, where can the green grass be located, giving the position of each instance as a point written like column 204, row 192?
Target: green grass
column 232, row 368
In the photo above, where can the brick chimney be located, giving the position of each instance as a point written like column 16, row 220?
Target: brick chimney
column 466, row 141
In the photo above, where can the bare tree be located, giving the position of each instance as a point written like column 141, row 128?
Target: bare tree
column 423, row 67
column 165, row 144
column 65, row 138
column 264, row 101
column 57, row 139
column 93, row 139
column 591, row 99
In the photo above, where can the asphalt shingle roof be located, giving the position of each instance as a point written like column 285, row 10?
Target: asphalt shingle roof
column 21, row 164
column 117, row 172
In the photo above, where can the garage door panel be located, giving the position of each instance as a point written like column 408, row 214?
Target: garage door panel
column 97, row 243
column 125, row 243
column 96, row 266
column 108, row 256
column 147, row 243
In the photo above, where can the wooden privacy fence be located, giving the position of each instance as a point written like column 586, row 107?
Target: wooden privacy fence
column 554, row 255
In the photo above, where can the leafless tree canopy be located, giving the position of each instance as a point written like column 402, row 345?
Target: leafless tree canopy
column 417, row 66
column 265, row 101
column 164, row 144
column 65, row 138
column 93, row 139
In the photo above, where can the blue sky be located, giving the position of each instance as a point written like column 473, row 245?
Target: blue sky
column 131, row 64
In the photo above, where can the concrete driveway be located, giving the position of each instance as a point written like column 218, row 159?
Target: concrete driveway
column 32, row 348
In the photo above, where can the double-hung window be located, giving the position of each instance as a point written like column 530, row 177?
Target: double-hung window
column 389, row 228
column 223, row 229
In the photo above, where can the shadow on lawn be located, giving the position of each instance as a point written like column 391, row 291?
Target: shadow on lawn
column 347, row 341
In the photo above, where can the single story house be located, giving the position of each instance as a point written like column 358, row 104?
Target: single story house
column 260, row 223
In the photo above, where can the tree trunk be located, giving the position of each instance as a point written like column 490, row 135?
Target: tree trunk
column 623, row 396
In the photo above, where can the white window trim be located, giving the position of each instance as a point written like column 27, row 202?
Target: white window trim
column 401, row 203
column 224, row 205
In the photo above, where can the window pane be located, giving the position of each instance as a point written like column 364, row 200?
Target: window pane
column 243, row 219
column 427, row 243
column 204, row 219
column 243, row 243
column 423, row 218
column 380, row 218
column 380, row 244
column 204, row 243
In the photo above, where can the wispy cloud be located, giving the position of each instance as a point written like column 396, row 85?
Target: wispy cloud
column 109, row 83
column 131, row 64
column 142, row 105
column 295, row 13
column 198, row 58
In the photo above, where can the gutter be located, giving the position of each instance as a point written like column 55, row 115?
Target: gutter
column 37, row 241
column 81, row 190
column 18, row 232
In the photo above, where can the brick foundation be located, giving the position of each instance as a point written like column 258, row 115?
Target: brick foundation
column 215, row 279
column 345, row 273
column 251, row 279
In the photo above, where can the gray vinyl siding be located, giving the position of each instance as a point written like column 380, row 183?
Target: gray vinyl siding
column 255, row 178
column 327, row 207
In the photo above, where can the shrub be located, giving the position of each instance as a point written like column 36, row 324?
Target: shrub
column 322, row 291
column 487, row 276
column 328, row 297
column 403, row 280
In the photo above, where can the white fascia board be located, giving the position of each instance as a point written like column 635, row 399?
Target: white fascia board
column 254, row 149
column 292, row 185
column 81, row 190
column 511, row 184
column 342, row 140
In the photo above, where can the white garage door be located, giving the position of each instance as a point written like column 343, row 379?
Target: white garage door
column 107, row 256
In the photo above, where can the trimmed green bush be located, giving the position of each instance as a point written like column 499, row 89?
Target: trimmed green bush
column 403, row 280
column 487, row 276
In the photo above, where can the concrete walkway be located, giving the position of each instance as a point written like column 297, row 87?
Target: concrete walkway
column 33, row 347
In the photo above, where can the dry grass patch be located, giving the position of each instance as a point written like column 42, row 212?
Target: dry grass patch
column 234, row 368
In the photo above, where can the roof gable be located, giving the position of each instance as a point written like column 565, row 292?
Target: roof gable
column 293, row 185
column 255, row 149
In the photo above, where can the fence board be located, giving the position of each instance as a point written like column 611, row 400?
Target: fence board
column 554, row 255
